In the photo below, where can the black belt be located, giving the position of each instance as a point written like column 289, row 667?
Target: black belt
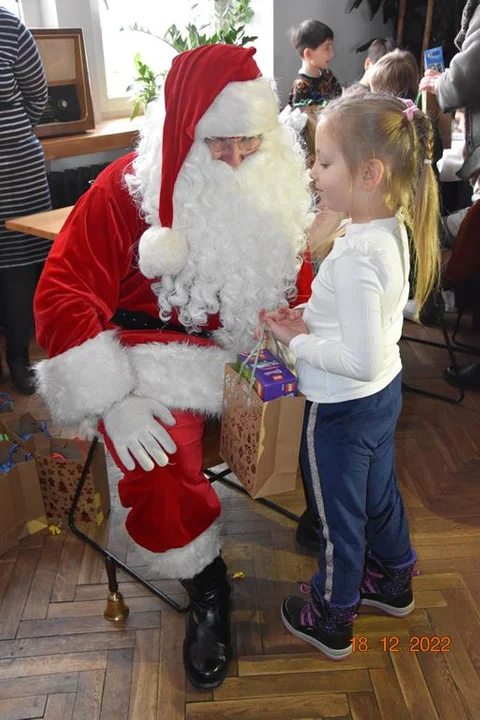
column 130, row 320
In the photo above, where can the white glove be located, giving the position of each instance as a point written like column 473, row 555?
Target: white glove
column 137, row 435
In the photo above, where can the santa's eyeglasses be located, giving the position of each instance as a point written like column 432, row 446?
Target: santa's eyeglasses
column 244, row 144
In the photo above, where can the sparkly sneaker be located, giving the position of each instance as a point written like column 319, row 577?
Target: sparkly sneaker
column 327, row 627
column 389, row 587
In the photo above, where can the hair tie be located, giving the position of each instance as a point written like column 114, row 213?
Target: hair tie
column 411, row 110
column 427, row 161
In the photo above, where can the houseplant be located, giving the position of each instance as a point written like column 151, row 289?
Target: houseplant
column 228, row 26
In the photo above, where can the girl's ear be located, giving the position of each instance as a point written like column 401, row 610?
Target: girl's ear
column 372, row 174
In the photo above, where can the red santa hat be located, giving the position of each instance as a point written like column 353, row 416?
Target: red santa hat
column 195, row 80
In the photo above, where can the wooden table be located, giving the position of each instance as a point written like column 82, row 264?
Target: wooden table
column 45, row 224
column 108, row 135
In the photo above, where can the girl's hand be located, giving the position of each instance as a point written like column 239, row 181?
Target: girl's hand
column 277, row 315
column 284, row 323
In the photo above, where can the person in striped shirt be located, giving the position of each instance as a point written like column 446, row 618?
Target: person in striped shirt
column 23, row 190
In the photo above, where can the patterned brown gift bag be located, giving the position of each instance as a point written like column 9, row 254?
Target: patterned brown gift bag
column 260, row 441
column 21, row 506
column 59, row 474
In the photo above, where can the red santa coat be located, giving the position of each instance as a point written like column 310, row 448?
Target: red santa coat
column 91, row 272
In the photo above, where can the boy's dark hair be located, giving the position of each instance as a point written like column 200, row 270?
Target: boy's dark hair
column 310, row 34
column 378, row 48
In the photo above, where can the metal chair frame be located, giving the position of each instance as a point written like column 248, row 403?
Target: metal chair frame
column 453, row 362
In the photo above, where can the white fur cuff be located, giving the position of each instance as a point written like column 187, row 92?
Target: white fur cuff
column 183, row 376
column 85, row 380
column 184, row 563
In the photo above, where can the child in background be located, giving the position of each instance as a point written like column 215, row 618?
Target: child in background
column 315, row 83
column 397, row 74
column 371, row 167
column 375, row 50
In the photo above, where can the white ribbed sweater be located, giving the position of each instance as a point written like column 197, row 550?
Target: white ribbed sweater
column 355, row 315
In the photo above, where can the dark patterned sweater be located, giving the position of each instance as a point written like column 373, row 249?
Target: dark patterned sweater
column 308, row 90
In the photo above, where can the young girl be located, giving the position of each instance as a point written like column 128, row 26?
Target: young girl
column 370, row 166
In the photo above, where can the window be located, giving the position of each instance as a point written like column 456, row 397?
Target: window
column 13, row 6
column 120, row 46
column 110, row 50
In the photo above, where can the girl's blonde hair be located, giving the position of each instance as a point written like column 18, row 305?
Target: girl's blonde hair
column 396, row 73
column 377, row 126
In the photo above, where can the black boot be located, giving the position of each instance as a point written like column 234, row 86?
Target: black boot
column 21, row 374
column 389, row 587
column 327, row 627
column 207, row 649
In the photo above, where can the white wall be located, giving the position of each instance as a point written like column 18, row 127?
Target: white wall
column 350, row 29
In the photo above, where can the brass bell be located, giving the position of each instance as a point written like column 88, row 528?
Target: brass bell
column 116, row 610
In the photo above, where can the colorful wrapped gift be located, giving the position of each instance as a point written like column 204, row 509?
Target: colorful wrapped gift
column 271, row 378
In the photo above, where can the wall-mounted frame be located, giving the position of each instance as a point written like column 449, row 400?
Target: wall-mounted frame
column 69, row 108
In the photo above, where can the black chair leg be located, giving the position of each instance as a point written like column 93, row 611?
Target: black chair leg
column 453, row 363
column 461, row 346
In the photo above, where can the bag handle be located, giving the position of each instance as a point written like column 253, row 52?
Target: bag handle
column 6, row 467
column 255, row 354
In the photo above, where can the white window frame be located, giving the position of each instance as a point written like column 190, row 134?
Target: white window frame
column 109, row 107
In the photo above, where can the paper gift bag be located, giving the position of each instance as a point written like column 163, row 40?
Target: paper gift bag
column 260, row 441
column 21, row 506
column 26, row 431
column 59, row 473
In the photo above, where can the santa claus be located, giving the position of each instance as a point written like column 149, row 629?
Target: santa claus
column 154, row 283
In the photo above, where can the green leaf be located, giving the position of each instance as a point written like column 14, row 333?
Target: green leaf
column 137, row 109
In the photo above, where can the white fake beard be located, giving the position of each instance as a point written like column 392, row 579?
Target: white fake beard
column 245, row 228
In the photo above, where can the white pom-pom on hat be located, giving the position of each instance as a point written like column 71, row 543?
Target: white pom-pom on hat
column 161, row 252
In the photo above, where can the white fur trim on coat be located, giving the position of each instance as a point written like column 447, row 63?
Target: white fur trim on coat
column 184, row 563
column 242, row 108
column 181, row 375
column 86, row 380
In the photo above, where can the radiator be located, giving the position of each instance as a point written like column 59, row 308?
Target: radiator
column 66, row 186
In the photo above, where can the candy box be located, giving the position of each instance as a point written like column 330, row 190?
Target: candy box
column 272, row 378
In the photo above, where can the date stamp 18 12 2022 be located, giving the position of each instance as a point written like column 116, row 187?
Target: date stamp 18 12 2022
column 392, row 643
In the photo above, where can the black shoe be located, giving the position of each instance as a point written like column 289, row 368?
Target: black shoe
column 468, row 376
column 388, row 588
column 21, row 374
column 207, row 649
column 307, row 532
column 326, row 627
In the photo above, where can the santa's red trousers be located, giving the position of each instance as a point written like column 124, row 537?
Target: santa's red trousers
column 171, row 505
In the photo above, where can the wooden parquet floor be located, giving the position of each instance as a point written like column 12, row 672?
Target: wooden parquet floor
column 61, row 660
